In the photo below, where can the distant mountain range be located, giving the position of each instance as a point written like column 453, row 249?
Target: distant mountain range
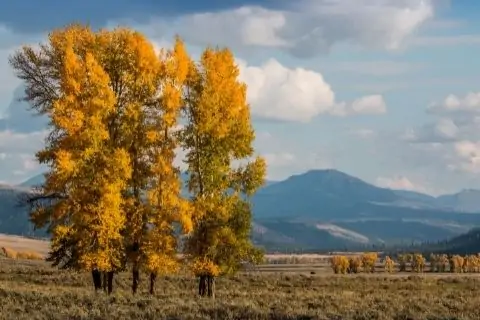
column 325, row 209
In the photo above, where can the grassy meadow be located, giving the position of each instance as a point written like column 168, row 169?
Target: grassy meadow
column 33, row 290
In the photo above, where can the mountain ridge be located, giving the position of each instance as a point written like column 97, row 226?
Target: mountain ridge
column 322, row 209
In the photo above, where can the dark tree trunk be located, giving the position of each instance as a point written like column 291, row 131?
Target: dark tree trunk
column 109, row 282
column 104, row 283
column 153, row 279
column 97, row 279
column 136, row 279
column 211, row 287
column 202, row 285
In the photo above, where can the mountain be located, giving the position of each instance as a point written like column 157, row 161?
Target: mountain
column 467, row 243
column 329, row 209
column 33, row 181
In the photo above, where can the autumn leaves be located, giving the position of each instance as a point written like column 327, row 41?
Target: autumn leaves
column 119, row 112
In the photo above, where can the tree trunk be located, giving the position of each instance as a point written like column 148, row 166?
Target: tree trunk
column 153, row 279
column 104, row 283
column 109, row 282
column 135, row 280
column 211, row 287
column 202, row 285
column 97, row 280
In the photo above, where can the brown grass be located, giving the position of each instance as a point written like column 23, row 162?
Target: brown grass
column 22, row 244
column 32, row 290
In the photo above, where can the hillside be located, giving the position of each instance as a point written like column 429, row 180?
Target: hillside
column 324, row 209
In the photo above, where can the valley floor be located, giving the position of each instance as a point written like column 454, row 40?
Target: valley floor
column 32, row 290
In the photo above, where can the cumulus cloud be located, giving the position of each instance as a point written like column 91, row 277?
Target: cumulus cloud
column 296, row 94
column 468, row 156
column 277, row 92
column 470, row 103
column 307, row 27
column 368, row 105
column 399, row 182
column 442, row 130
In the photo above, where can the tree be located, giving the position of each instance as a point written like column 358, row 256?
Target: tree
column 217, row 136
column 368, row 261
column 166, row 206
column 389, row 265
column 88, row 174
column 112, row 103
column 339, row 264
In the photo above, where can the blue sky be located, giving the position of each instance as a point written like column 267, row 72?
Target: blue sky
column 386, row 90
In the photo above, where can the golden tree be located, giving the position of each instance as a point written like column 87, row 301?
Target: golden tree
column 167, row 207
column 354, row 264
column 389, row 265
column 456, row 264
column 112, row 103
column 217, row 136
column 339, row 264
column 418, row 262
column 368, row 261
column 65, row 80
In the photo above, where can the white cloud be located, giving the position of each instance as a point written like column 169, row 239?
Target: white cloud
column 280, row 93
column 470, row 103
column 307, row 27
column 279, row 159
column 399, row 182
column 373, row 104
column 468, row 154
column 277, row 92
column 367, row 105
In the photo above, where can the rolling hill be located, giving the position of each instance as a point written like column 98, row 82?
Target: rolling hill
column 324, row 209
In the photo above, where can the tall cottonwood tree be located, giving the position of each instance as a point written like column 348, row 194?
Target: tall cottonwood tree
column 105, row 95
column 218, row 134
column 65, row 80
column 166, row 206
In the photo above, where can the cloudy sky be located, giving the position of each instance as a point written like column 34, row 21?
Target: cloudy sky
column 386, row 90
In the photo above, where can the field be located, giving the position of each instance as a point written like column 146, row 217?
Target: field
column 33, row 290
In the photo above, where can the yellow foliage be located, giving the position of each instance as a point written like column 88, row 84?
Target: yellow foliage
column 368, row 261
column 339, row 264
column 418, row 262
column 9, row 253
column 29, row 255
column 456, row 264
column 354, row 264
column 218, row 134
column 203, row 266
column 389, row 265
column 439, row 262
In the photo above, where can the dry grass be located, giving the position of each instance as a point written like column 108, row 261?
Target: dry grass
column 32, row 290
column 21, row 244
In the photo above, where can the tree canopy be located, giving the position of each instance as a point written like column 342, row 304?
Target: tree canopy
column 119, row 112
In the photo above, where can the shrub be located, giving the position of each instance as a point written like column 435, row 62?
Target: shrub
column 418, row 262
column 456, row 264
column 339, row 264
column 354, row 264
column 389, row 265
column 404, row 260
column 368, row 261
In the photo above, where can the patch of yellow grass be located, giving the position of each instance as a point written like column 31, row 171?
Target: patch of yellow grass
column 25, row 255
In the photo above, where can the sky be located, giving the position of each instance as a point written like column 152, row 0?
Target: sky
column 384, row 90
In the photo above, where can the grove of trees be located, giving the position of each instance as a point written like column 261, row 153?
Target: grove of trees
column 119, row 113
column 415, row 262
